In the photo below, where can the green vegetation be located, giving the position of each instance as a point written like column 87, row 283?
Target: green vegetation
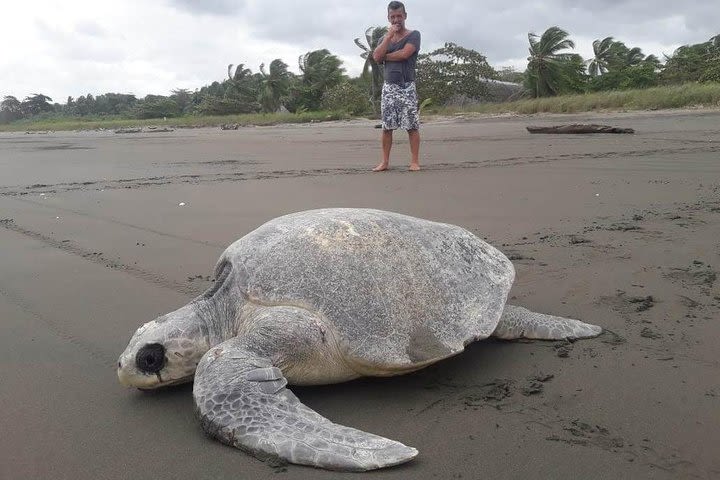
column 346, row 97
column 551, row 71
column 656, row 98
column 372, row 73
column 452, row 72
column 618, row 77
column 189, row 121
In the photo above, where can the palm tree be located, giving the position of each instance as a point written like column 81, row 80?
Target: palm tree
column 240, row 72
column 654, row 61
column 371, row 69
column 547, row 67
column 273, row 85
column 321, row 71
column 621, row 57
column 241, row 82
column 602, row 54
column 36, row 103
column 712, row 48
column 633, row 56
column 715, row 41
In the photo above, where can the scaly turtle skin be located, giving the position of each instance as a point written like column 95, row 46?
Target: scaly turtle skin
column 326, row 296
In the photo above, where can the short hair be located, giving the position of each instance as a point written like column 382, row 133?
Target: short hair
column 396, row 6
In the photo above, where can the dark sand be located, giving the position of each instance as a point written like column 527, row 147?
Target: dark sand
column 618, row 230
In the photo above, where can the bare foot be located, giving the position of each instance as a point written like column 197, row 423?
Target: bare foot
column 380, row 168
column 414, row 167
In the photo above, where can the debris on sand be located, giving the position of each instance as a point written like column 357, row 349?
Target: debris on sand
column 576, row 240
column 518, row 256
column 623, row 227
column 580, row 128
column 150, row 128
column 155, row 129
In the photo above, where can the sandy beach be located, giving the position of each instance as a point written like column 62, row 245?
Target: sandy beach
column 101, row 232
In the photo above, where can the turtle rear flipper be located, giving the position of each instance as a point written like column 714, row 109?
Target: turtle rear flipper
column 242, row 401
column 519, row 322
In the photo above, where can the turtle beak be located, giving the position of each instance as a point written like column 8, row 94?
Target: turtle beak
column 140, row 381
column 123, row 377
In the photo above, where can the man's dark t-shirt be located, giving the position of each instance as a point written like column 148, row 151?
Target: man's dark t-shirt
column 403, row 72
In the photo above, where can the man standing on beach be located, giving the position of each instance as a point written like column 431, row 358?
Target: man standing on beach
column 398, row 51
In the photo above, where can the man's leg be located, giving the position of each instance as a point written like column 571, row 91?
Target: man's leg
column 387, row 136
column 414, row 137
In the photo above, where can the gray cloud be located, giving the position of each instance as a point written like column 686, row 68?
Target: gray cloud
column 209, row 7
column 88, row 43
column 91, row 29
column 496, row 28
column 154, row 47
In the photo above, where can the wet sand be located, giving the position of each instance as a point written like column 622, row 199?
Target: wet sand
column 622, row 231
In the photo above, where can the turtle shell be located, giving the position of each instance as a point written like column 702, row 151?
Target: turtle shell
column 399, row 292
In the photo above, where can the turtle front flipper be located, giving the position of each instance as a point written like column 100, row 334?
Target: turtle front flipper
column 519, row 322
column 242, row 401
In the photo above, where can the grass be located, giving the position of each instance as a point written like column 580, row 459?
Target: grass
column 190, row 121
column 658, row 98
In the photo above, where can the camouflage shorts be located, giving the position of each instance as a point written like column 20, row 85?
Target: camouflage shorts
column 399, row 107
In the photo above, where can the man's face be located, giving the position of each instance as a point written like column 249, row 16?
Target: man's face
column 397, row 17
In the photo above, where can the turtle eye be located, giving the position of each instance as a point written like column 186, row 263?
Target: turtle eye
column 150, row 358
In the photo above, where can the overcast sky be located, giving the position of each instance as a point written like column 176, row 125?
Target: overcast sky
column 76, row 47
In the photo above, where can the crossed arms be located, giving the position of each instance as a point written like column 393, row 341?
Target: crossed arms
column 380, row 54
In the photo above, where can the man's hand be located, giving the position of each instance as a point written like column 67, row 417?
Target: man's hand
column 381, row 49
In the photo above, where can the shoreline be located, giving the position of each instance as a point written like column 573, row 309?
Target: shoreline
column 431, row 118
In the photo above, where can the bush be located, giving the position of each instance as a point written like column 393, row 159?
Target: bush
column 346, row 97
column 225, row 106
column 712, row 73
column 157, row 108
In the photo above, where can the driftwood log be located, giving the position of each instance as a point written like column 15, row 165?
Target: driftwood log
column 580, row 128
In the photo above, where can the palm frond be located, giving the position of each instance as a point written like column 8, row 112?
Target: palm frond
column 359, row 44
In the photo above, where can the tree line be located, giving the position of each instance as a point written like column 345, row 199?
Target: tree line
column 449, row 74
column 553, row 70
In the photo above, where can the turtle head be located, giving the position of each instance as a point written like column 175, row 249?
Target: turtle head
column 165, row 351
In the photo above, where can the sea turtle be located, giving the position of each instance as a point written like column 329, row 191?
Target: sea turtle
column 326, row 296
